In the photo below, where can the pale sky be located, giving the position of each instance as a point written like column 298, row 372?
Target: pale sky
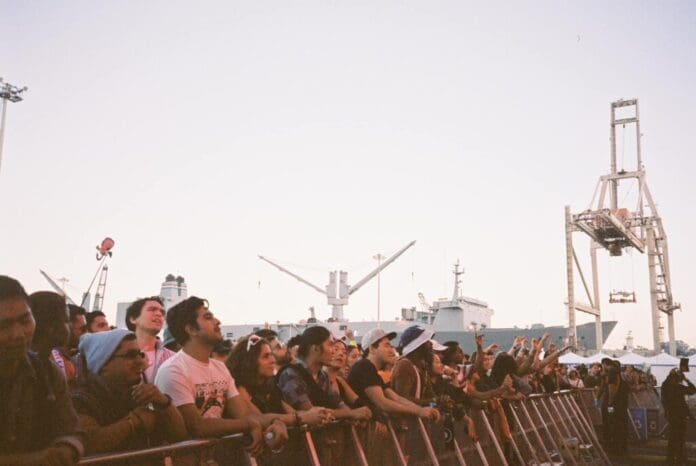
column 321, row 133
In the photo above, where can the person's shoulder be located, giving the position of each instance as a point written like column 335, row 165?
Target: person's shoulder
column 176, row 363
column 220, row 367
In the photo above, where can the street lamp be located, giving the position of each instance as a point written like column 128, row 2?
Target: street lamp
column 13, row 94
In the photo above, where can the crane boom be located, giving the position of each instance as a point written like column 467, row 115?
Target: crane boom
column 295, row 276
column 55, row 286
column 381, row 267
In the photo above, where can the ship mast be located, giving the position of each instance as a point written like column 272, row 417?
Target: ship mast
column 457, row 281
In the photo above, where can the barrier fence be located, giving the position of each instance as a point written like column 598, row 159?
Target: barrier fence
column 546, row 429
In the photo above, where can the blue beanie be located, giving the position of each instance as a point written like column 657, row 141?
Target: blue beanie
column 98, row 348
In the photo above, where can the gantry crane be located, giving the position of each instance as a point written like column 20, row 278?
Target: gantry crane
column 616, row 228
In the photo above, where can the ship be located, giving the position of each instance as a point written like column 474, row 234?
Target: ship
column 457, row 319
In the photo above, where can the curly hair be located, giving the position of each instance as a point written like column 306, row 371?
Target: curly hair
column 134, row 310
column 243, row 364
column 183, row 314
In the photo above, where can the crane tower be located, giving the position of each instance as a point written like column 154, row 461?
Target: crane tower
column 617, row 228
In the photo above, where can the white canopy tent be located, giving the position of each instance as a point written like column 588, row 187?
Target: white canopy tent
column 632, row 359
column 572, row 359
column 663, row 359
column 660, row 366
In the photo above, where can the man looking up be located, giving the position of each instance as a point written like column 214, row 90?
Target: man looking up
column 96, row 322
column 112, row 400
column 32, row 391
column 202, row 388
column 145, row 317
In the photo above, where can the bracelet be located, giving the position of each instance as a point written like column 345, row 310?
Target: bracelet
column 298, row 422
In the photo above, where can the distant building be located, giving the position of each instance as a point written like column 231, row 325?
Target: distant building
column 173, row 291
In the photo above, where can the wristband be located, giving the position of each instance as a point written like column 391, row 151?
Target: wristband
column 298, row 422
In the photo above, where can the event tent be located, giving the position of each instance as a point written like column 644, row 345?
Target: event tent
column 632, row 359
column 572, row 359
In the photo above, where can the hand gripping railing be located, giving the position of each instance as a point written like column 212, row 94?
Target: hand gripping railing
column 540, row 429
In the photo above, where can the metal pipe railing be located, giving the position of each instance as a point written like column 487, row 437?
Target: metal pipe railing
column 545, row 425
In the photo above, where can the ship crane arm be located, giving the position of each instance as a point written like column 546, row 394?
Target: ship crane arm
column 296, row 277
column 55, row 286
column 381, row 267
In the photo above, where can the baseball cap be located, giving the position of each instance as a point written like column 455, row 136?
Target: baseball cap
column 415, row 336
column 374, row 335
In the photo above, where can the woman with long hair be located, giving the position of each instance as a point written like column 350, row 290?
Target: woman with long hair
column 252, row 366
column 336, row 371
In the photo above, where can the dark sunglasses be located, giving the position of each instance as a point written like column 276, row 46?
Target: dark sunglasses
column 130, row 354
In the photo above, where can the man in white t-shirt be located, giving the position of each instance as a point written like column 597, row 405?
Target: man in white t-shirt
column 202, row 388
column 145, row 318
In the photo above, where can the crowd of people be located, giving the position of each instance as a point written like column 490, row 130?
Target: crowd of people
column 71, row 385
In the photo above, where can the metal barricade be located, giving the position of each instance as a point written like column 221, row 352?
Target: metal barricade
column 548, row 429
column 189, row 452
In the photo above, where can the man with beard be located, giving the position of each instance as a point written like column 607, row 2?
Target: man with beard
column 203, row 389
column 32, row 391
column 145, row 317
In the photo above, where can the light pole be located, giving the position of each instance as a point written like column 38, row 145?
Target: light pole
column 13, row 94
column 379, row 258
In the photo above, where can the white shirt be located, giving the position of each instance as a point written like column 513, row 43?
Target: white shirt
column 189, row 381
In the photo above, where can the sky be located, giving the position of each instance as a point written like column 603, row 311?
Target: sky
column 319, row 134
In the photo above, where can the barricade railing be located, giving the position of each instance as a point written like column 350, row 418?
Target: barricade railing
column 543, row 429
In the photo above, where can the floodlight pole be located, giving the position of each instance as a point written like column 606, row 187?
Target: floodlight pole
column 13, row 94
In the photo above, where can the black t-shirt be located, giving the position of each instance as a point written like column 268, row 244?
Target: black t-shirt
column 363, row 375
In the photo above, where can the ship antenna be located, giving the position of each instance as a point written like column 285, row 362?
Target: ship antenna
column 457, row 281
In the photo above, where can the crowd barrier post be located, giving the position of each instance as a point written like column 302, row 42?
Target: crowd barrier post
column 359, row 450
column 311, row 448
column 458, row 453
column 397, row 445
column 573, row 433
column 561, row 428
column 533, row 428
column 591, row 443
column 513, row 442
column 523, row 432
column 534, row 401
column 586, row 425
column 584, row 448
column 426, row 441
column 493, row 438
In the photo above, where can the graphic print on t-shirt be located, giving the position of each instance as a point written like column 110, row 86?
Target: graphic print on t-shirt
column 210, row 398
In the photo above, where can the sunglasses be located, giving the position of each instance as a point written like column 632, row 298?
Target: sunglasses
column 131, row 354
column 252, row 341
